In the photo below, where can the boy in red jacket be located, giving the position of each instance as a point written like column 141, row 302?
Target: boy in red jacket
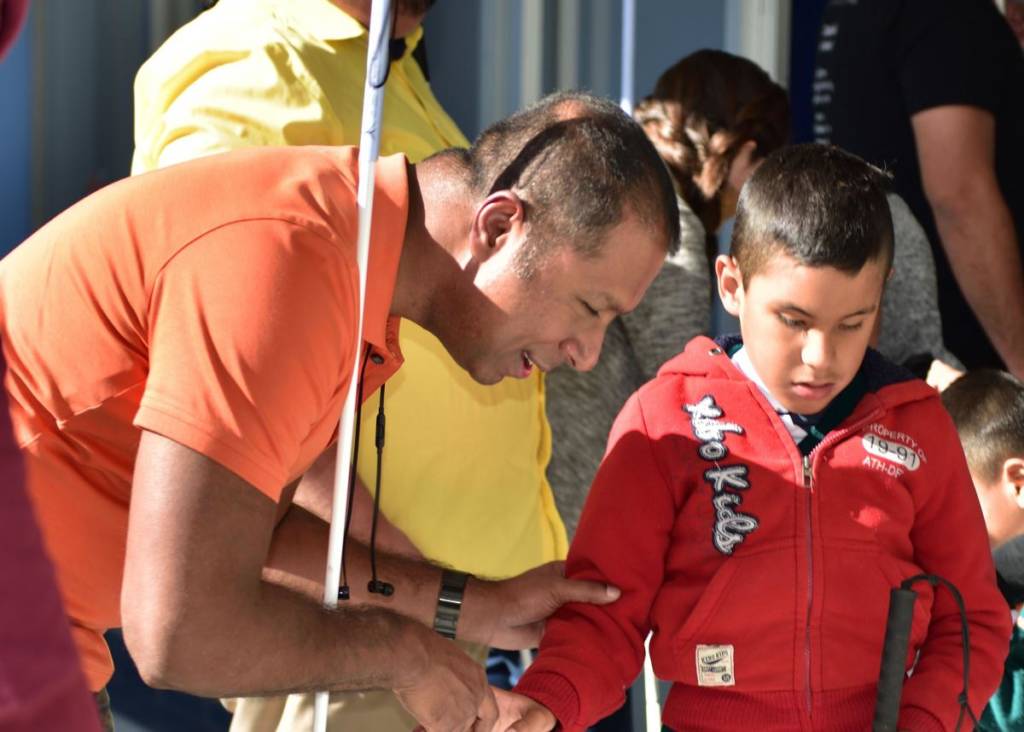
column 761, row 496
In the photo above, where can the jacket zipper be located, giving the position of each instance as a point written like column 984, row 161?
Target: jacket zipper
column 809, row 488
column 808, row 477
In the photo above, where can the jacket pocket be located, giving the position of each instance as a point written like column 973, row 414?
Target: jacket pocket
column 710, row 600
column 747, row 609
column 855, row 608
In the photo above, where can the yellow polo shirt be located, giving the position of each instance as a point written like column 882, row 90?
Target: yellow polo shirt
column 464, row 464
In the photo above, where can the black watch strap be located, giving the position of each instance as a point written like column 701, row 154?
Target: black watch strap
column 449, row 602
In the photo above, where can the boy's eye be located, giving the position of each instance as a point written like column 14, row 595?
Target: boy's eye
column 791, row 323
column 590, row 310
column 851, row 326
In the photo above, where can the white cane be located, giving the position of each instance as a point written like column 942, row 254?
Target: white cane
column 377, row 62
column 628, row 55
column 652, row 711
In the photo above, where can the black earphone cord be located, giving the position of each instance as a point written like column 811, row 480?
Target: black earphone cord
column 934, row 580
column 374, row 585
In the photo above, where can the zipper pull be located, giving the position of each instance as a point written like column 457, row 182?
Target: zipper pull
column 807, row 471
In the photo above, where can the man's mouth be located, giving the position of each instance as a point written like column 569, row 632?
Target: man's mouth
column 527, row 364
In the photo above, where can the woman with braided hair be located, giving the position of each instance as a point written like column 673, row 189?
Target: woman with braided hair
column 712, row 117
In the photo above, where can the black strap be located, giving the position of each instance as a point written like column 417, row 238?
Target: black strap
column 376, row 585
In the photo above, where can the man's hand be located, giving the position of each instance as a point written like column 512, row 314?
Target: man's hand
column 510, row 614
column 518, row 713
column 446, row 690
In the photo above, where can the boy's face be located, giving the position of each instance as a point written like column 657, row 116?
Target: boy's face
column 805, row 328
column 1002, row 502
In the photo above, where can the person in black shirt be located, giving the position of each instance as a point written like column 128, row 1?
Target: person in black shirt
column 933, row 90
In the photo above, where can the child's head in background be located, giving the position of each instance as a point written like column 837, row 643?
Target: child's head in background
column 988, row 409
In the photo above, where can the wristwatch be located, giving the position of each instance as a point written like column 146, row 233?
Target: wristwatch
column 449, row 602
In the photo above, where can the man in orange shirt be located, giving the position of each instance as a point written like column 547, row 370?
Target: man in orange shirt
column 178, row 350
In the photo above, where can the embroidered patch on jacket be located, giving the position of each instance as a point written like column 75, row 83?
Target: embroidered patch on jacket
column 890, row 451
column 715, row 666
column 726, row 481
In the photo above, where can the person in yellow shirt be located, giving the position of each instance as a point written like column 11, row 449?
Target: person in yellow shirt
column 464, row 470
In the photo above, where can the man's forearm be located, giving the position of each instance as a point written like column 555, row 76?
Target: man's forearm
column 283, row 642
column 298, row 560
column 981, row 244
column 198, row 616
column 956, row 149
column 508, row 613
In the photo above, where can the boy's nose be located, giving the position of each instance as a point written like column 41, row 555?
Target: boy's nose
column 817, row 349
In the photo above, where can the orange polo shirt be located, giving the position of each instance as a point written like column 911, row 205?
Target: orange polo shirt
column 212, row 302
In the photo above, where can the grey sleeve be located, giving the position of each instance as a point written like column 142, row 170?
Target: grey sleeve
column 911, row 324
column 677, row 306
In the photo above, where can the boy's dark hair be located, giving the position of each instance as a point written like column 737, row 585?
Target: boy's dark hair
column 575, row 159
column 818, row 204
column 987, row 407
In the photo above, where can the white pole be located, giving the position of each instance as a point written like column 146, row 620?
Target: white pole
column 628, row 55
column 628, row 95
column 377, row 63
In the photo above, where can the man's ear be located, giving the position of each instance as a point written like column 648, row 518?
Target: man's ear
column 730, row 283
column 1012, row 477
column 495, row 218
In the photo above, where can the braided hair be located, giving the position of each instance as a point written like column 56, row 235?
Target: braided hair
column 703, row 109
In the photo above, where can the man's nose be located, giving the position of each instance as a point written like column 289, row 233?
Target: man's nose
column 582, row 353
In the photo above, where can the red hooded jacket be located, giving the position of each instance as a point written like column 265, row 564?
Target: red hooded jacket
column 765, row 575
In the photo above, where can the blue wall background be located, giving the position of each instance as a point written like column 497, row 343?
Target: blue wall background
column 15, row 141
column 66, row 121
column 667, row 30
column 86, row 56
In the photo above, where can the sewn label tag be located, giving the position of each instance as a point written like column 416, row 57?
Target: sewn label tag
column 715, row 666
column 892, row 451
